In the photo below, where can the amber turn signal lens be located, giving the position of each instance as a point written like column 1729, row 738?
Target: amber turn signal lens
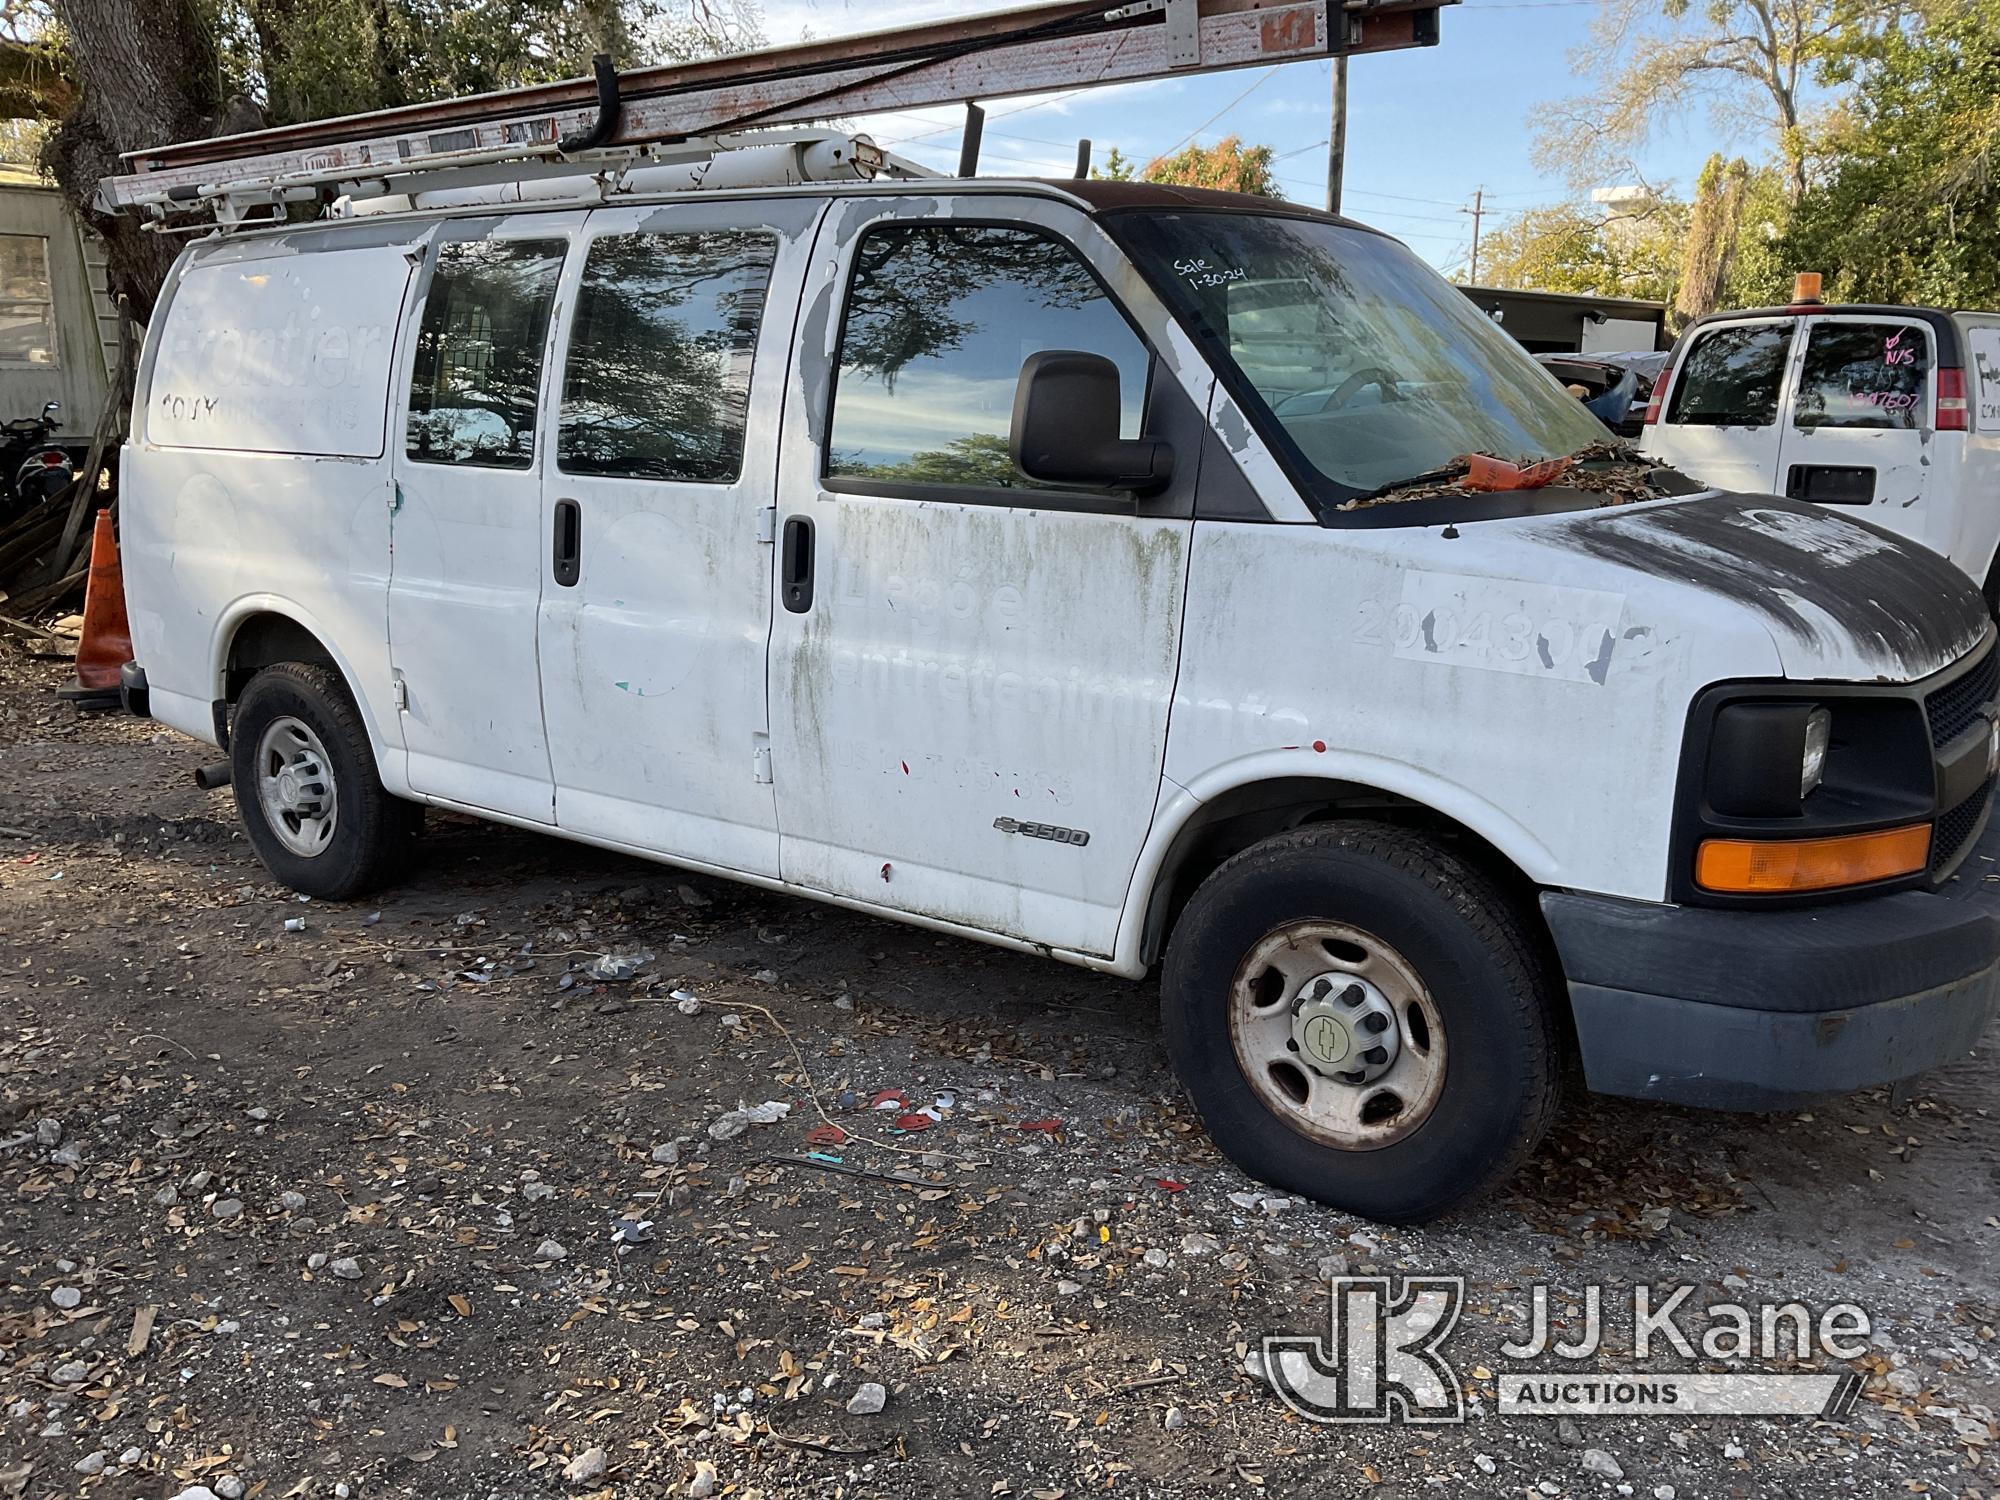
column 1757, row 866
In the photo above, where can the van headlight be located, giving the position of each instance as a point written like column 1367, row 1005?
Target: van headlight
column 1819, row 735
column 1765, row 759
column 1790, row 789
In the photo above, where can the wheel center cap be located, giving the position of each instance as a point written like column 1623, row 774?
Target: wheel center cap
column 288, row 788
column 1325, row 1040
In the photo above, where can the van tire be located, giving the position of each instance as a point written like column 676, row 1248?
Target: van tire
column 301, row 709
column 1407, row 910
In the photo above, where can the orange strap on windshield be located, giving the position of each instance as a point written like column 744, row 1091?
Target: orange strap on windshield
column 1486, row 473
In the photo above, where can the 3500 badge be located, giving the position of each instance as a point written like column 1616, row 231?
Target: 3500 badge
column 1075, row 837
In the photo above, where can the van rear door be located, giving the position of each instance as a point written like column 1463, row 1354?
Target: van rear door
column 1858, row 425
column 1719, row 421
column 656, row 608
column 467, row 545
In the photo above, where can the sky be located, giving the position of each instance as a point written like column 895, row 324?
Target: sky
column 1425, row 127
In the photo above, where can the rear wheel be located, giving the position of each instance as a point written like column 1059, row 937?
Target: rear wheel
column 1362, row 1017
column 306, row 785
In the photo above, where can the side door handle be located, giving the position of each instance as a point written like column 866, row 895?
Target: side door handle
column 568, row 557
column 795, row 566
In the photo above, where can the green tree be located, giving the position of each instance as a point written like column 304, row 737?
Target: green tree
column 1117, row 168
column 1753, row 60
column 1568, row 249
column 1905, row 206
column 1228, row 164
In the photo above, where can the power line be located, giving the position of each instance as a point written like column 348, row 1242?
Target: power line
column 1265, row 78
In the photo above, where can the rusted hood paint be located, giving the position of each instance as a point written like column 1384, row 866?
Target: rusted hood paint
column 1842, row 599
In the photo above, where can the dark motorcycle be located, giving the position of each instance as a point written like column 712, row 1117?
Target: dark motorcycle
column 36, row 468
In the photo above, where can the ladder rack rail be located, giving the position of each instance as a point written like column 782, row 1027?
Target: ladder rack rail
column 1029, row 50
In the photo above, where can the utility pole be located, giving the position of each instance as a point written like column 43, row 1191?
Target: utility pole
column 1336, row 138
column 1478, row 211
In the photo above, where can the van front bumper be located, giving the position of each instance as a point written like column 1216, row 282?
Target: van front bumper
column 1762, row 1010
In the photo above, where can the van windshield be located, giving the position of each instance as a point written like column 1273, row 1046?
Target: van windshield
column 1368, row 365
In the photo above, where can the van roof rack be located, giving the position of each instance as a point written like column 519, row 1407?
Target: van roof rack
column 608, row 133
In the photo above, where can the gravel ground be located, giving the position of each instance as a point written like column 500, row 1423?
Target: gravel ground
column 410, row 1200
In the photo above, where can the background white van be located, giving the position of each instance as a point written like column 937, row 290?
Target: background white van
column 1892, row 413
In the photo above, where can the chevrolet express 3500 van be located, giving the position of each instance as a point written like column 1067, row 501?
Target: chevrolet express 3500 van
column 1091, row 569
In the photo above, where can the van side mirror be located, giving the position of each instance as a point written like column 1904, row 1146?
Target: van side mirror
column 1065, row 428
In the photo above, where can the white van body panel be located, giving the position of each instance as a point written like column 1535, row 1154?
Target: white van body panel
column 663, row 639
column 258, row 462
column 470, row 556
column 969, row 668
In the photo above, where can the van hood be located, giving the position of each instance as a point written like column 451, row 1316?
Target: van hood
column 1841, row 599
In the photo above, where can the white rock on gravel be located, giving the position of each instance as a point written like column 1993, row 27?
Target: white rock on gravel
column 91, row 1463
column 1597, row 1461
column 551, row 1250
column 1199, row 1244
column 66, row 1297
column 868, row 1399
column 587, row 1466
column 703, row 1484
column 229, row 1487
column 347, row 1268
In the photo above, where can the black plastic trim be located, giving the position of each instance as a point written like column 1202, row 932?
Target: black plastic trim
column 133, row 691
column 1811, row 960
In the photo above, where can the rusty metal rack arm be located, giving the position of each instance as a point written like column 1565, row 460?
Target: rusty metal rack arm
column 1033, row 49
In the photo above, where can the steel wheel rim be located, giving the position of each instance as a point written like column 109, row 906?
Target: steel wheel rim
column 295, row 787
column 1299, row 1009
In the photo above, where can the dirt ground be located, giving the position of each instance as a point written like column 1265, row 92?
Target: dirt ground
column 398, row 1198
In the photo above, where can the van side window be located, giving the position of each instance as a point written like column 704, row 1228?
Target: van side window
column 478, row 370
column 1732, row 376
column 939, row 320
column 1864, row 375
column 657, row 383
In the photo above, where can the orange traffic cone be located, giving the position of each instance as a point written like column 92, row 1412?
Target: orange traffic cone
column 107, row 636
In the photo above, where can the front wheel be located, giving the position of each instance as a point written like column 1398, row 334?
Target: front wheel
column 306, row 785
column 1361, row 1017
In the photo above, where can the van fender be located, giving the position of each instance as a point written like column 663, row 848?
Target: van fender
column 390, row 763
column 1179, row 804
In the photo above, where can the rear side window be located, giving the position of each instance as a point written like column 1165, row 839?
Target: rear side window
column 478, row 370
column 657, row 382
column 1864, row 375
column 1732, row 376
column 940, row 319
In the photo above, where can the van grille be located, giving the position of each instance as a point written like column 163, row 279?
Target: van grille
column 1953, row 708
column 1956, row 828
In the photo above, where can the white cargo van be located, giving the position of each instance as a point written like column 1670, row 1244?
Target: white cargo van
column 1892, row 411
column 1080, row 567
